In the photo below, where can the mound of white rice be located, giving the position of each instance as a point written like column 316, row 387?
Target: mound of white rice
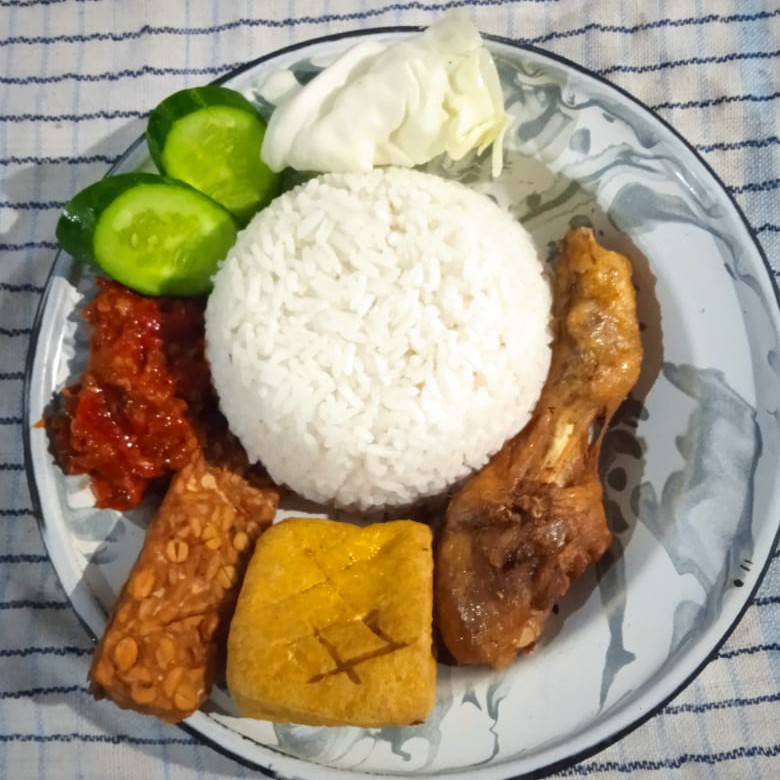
column 374, row 337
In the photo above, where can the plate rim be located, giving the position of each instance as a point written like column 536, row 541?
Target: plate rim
column 547, row 768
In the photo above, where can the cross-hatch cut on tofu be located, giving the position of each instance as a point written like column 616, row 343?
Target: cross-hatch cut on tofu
column 370, row 621
column 333, row 625
column 348, row 666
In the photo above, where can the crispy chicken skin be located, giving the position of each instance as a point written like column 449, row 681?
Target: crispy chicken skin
column 532, row 519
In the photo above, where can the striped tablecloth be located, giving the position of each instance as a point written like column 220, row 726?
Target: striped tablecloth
column 76, row 79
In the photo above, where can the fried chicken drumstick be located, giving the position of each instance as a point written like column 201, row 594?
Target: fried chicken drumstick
column 532, row 519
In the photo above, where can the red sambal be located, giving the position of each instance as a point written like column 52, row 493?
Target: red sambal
column 131, row 418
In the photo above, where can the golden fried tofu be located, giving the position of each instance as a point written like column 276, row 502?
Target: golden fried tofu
column 333, row 625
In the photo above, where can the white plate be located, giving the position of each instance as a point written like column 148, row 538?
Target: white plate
column 690, row 466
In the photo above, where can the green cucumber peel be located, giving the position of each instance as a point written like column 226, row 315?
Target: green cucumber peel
column 184, row 102
column 153, row 234
column 210, row 137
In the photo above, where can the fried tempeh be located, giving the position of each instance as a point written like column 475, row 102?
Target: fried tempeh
column 165, row 640
column 532, row 519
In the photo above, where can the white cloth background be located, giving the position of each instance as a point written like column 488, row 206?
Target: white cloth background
column 76, row 78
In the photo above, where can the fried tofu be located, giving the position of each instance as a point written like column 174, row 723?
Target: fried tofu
column 333, row 625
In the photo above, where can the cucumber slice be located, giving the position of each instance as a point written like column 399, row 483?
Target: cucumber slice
column 155, row 235
column 210, row 137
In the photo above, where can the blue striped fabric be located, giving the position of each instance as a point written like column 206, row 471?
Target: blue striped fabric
column 77, row 76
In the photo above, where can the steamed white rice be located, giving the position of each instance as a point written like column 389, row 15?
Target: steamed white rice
column 374, row 337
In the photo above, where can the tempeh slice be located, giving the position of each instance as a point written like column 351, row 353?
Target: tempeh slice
column 165, row 640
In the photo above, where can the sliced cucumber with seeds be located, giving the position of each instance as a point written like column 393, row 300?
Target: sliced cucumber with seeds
column 210, row 137
column 153, row 234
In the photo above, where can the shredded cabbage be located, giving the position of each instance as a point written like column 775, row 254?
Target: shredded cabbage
column 401, row 104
